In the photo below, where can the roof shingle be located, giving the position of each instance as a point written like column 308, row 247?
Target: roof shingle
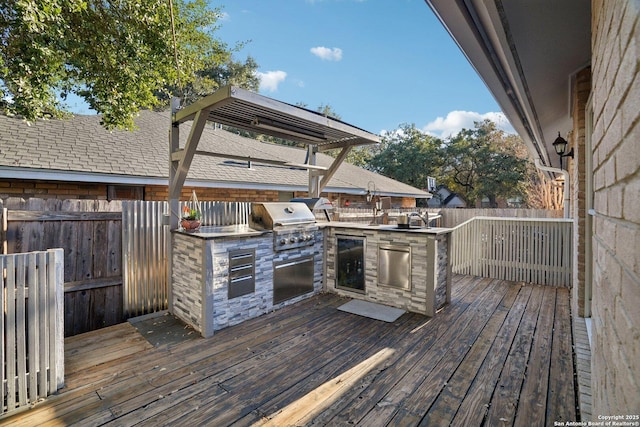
column 81, row 144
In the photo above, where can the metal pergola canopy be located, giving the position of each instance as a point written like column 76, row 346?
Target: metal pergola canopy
column 233, row 106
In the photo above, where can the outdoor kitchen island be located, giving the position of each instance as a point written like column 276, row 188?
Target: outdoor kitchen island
column 406, row 268
column 224, row 275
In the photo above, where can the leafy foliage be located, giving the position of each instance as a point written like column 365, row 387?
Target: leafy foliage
column 481, row 162
column 476, row 163
column 214, row 76
column 116, row 54
column 408, row 155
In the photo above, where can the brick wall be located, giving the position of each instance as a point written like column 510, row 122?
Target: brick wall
column 581, row 90
column 216, row 194
column 616, row 241
column 71, row 190
column 51, row 189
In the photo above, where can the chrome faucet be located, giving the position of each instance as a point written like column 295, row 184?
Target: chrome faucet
column 424, row 218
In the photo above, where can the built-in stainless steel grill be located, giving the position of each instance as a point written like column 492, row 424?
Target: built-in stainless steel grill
column 293, row 223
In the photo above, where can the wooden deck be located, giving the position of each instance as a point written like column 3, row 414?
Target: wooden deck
column 499, row 354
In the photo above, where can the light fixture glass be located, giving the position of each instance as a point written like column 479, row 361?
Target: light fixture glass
column 560, row 145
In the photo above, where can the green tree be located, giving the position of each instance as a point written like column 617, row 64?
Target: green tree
column 221, row 71
column 408, row 155
column 116, row 54
column 361, row 156
column 484, row 162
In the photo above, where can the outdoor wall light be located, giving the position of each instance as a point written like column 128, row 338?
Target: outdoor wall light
column 560, row 145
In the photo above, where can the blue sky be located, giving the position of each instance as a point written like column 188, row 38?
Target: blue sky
column 377, row 63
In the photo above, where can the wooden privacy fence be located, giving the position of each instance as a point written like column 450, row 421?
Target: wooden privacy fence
column 31, row 327
column 144, row 248
column 518, row 249
column 90, row 232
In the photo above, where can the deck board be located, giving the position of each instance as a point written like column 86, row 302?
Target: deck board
column 449, row 400
column 499, row 354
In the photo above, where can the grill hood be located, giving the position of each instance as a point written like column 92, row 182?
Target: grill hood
column 266, row 216
column 315, row 203
column 320, row 206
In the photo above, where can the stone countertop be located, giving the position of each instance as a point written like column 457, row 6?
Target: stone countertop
column 223, row 231
column 226, row 231
column 387, row 227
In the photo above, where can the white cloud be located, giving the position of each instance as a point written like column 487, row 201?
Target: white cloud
column 270, row 80
column 457, row 120
column 327, row 54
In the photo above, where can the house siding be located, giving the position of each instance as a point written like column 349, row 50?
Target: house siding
column 616, row 240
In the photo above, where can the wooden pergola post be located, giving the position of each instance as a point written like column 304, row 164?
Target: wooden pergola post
column 179, row 164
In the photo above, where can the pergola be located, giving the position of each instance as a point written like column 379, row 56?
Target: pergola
column 247, row 110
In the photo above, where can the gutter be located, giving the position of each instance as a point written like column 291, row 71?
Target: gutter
column 567, row 184
column 7, row 172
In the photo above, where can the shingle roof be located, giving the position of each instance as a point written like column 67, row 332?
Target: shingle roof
column 81, row 145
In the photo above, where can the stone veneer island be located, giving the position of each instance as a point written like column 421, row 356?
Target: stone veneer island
column 201, row 263
column 429, row 286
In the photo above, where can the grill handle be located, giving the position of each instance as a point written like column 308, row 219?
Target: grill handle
column 293, row 223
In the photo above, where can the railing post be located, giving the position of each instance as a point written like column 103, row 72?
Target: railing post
column 56, row 343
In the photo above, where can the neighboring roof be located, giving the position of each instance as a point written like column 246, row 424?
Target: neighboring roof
column 527, row 53
column 446, row 198
column 80, row 149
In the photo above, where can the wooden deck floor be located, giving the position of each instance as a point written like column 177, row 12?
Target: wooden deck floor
column 499, row 354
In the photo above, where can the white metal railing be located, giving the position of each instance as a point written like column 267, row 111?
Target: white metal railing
column 32, row 327
column 534, row 250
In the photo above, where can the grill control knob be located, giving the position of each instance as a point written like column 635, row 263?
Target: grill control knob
column 293, row 239
column 283, row 241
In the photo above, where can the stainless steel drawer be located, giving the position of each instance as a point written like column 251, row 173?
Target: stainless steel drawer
column 394, row 266
column 242, row 269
